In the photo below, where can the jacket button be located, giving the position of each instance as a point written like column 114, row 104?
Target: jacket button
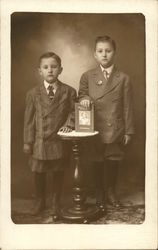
column 109, row 124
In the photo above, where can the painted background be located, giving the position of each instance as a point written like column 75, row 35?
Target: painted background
column 72, row 37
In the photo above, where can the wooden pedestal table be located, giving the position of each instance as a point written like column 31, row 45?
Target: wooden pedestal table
column 79, row 211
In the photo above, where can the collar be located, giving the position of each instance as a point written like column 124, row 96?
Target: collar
column 46, row 84
column 108, row 70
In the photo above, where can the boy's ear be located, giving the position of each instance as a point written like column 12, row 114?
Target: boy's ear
column 94, row 55
column 61, row 69
column 39, row 71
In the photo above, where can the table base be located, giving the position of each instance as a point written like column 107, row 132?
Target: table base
column 90, row 213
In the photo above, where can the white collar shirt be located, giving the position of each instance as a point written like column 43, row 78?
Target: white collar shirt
column 54, row 85
column 108, row 70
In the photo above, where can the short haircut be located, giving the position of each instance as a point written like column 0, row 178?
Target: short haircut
column 48, row 55
column 105, row 39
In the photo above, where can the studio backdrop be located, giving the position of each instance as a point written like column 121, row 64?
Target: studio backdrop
column 72, row 37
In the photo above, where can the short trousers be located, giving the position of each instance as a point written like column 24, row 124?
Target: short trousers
column 41, row 166
column 95, row 150
column 114, row 151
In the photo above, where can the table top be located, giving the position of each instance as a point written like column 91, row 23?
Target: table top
column 77, row 135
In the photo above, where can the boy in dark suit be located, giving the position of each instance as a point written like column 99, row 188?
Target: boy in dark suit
column 110, row 91
column 49, row 108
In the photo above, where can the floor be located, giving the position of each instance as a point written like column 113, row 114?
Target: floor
column 132, row 210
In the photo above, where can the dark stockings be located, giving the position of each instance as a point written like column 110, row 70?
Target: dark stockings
column 106, row 174
column 57, row 183
column 40, row 190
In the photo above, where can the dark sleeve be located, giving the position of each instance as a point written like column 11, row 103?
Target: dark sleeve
column 83, row 92
column 70, row 122
column 29, row 120
column 128, row 107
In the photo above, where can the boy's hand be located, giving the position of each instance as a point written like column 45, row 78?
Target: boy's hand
column 85, row 103
column 27, row 149
column 65, row 129
column 126, row 139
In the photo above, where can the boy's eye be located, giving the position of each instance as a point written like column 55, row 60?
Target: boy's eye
column 52, row 67
column 108, row 51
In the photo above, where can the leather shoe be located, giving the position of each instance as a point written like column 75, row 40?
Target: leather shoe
column 112, row 200
column 55, row 206
column 101, row 204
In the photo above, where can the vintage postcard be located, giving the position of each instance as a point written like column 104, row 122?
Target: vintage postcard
column 58, row 58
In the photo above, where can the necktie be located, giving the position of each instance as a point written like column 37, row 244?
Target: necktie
column 106, row 74
column 50, row 93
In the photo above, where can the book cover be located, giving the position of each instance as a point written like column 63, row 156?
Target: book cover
column 84, row 118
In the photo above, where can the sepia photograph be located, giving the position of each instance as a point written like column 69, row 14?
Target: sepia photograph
column 79, row 125
column 70, row 53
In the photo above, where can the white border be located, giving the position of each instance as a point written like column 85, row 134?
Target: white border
column 84, row 236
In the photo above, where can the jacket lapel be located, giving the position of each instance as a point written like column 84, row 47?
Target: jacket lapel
column 48, row 104
column 99, row 82
column 44, row 98
column 103, row 86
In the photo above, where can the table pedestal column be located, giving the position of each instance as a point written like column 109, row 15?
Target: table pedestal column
column 79, row 211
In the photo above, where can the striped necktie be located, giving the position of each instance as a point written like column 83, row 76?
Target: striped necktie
column 50, row 93
column 106, row 74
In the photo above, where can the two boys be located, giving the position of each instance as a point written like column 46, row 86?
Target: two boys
column 50, row 107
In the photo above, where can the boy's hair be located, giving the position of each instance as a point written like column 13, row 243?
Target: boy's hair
column 105, row 39
column 48, row 55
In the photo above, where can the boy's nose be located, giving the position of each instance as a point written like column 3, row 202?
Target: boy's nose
column 104, row 53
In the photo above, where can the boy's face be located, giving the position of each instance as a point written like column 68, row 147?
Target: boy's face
column 104, row 54
column 49, row 69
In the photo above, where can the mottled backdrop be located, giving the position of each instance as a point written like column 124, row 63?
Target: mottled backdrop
column 72, row 37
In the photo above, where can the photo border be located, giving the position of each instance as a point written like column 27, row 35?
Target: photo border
column 142, row 236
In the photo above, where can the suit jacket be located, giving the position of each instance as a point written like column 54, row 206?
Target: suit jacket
column 112, row 100
column 44, row 117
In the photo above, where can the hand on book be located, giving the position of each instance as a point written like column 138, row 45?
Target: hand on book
column 85, row 103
